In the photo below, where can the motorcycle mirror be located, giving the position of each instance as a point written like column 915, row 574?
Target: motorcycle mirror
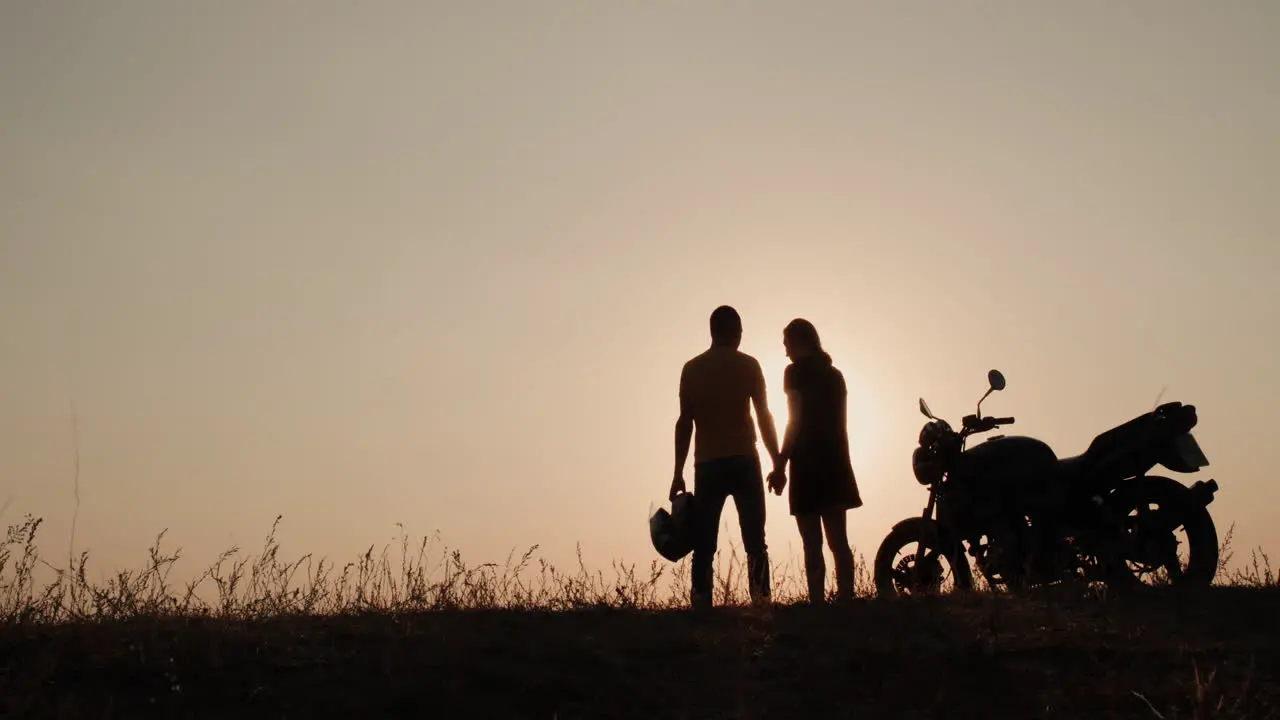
column 924, row 409
column 996, row 379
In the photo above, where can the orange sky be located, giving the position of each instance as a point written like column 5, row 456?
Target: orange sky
column 372, row 263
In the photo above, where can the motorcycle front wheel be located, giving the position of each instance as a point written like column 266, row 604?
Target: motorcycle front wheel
column 920, row 569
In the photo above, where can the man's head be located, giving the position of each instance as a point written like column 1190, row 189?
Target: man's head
column 726, row 327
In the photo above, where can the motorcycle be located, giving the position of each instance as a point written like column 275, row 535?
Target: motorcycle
column 1028, row 518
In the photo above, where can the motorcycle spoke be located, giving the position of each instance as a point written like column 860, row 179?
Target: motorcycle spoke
column 1153, row 529
column 921, row 572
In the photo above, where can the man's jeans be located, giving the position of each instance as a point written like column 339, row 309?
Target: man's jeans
column 715, row 481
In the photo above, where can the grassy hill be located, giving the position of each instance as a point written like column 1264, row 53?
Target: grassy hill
column 489, row 642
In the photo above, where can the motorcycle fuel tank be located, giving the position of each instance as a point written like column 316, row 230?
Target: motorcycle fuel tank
column 1009, row 463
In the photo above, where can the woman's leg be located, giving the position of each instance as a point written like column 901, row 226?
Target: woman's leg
column 834, row 522
column 815, row 570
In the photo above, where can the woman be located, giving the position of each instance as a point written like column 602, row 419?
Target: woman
column 816, row 443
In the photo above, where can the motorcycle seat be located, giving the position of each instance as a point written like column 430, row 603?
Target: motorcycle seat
column 1071, row 468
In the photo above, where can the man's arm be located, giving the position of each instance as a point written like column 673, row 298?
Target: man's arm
column 684, row 434
column 760, row 399
column 793, row 428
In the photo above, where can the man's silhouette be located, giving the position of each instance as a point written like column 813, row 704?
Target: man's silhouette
column 717, row 391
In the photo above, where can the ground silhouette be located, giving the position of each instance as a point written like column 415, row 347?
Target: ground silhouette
column 981, row 657
column 416, row 637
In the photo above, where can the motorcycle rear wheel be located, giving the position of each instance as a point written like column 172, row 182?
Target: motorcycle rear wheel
column 1152, row 534
column 919, row 572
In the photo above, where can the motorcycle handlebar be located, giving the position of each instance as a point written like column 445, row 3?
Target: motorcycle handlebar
column 973, row 425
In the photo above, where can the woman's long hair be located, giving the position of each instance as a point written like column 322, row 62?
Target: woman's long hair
column 802, row 334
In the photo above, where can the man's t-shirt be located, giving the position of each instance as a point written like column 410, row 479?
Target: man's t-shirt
column 716, row 388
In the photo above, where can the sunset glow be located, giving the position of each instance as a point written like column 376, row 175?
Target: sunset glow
column 440, row 265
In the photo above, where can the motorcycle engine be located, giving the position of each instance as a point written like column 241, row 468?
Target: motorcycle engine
column 1002, row 555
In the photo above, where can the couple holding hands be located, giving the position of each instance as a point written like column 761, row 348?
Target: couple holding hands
column 718, row 389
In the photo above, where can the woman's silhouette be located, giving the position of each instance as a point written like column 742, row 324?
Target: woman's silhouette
column 816, row 443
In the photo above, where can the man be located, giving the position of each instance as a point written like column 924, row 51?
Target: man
column 718, row 388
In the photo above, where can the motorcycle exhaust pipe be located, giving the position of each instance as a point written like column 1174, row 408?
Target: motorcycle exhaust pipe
column 1203, row 491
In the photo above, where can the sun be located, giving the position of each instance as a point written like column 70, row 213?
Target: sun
column 864, row 425
column 773, row 365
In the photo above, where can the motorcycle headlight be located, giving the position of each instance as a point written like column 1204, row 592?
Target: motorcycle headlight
column 926, row 466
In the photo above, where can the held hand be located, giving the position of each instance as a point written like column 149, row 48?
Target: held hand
column 677, row 486
column 777, row 481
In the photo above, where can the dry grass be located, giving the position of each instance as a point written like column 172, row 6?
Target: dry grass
column 412, row 627
column 410, row 577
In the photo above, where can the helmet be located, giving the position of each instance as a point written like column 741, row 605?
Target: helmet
column 672, row 532
column 926, row 465
column 932, row 432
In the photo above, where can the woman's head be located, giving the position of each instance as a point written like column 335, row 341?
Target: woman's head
column 800, row 338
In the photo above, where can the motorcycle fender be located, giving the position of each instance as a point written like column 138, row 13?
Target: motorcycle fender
column 933, row 526
column 934, row 532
